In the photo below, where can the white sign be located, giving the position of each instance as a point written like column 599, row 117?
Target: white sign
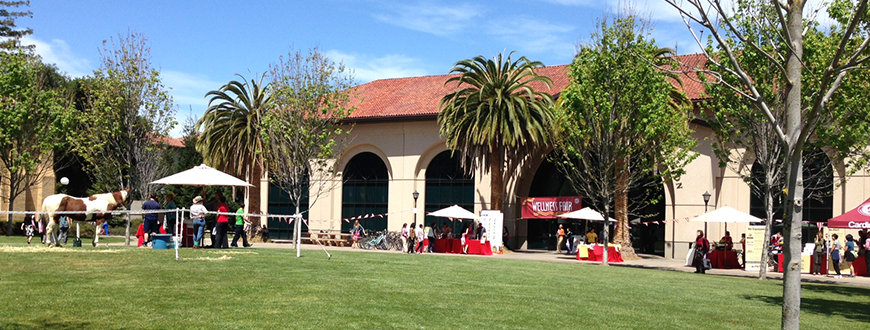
column 754, row 248
column 493, row 221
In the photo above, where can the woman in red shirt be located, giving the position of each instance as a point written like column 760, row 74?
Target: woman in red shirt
column 222, row 223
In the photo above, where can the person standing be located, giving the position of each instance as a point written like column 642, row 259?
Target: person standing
column 357, row 231
column 405, row 237
column 465, row 232
column 149, row 219
column 702, row 246
column 850, row 255
column 560, row 237
column 223, row 222
column 866, row 245
column 835, row 254
column 505, row 237
column 591, row 237
column 818, row 253
column 197, row 214
column 420, row 237
column 568, row 241
column 169, row 224
column 64, row 230
column 29, row 226
column 429, row 231
column 241, row 219
column 412, row 238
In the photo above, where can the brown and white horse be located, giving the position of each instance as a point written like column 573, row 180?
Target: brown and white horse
column 99, row 205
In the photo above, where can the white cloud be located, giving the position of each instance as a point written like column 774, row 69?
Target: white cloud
column 533, row 36
column 58, row 52
column 367, row 67
column 188, row 92
column 430, row 18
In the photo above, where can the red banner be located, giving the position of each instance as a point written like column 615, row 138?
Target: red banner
column 549, row 207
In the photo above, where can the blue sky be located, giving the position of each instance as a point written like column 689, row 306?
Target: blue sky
column 201, row 45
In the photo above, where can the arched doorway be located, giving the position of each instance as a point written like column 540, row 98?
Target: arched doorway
column 447, row 185
column 550, row 182
column 647, row 204
column 818, row 198
column 365, row 191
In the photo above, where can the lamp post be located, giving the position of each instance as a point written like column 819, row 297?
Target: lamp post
column 706, row 196
column 416, row 195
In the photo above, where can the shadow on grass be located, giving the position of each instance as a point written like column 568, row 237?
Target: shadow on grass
column 852, row 304
column 49, row 324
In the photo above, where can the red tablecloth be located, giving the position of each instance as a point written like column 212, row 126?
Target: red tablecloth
column 455, row 246
column 859, row 265
column 723, row 259
column 824, row 268
column 597, row 254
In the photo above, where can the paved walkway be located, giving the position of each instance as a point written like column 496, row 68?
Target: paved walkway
column 646, row 261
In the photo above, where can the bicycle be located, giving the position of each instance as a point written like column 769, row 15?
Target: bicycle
column 376, row 241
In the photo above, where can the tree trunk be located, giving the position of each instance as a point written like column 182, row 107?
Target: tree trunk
column 768, row 207
column 297, row 231
column 606, row 255
column 621, row 231
column 254, row 192
column 791, row 288
column 9, row 217
column 127, row 231
column 497, row 177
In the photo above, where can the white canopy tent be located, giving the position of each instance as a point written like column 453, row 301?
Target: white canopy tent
column 202, row 175
column 727, row 215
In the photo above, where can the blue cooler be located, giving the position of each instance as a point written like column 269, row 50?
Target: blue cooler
column 160, row 241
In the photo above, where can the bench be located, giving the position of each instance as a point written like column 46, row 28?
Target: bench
column 329, row 238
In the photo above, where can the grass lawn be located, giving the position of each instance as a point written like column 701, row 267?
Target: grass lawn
column 133, row 288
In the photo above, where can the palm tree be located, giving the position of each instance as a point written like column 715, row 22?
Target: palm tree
column 231, row 138
column 495, row 114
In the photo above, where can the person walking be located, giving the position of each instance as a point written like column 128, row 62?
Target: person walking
column 560, row 237
column 149, row 219
column 835, row 254
column 29, row 226
column 223, row 222
column 850, row 255
column 421, row 235
column 702, row 246
column 818, row 253
column 64, row 230
column 357, row 231
column 197, row 213
column 429, row 231
column 241, row 219
column 169, row 224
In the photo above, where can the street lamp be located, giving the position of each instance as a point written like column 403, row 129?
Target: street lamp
column 416, row 195
column 706, row 196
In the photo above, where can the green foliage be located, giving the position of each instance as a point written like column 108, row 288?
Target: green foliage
column 617, row 119
column 10, row 36
column 183, row 159
column 126, row 112
column 303, row 134
column 31, row 115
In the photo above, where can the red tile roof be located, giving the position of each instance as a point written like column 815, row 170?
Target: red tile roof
column 419, row 96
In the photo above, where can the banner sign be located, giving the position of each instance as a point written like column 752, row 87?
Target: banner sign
column 493, row 221
column 549, row 207
column 754, row 248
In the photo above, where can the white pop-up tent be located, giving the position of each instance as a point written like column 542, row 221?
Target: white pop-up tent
column 202, row 175
column 454, row 212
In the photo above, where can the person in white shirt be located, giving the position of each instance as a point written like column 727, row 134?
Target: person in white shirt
column 197, row 214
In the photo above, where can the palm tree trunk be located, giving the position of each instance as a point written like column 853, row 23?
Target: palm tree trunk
column 497, row 177
column 254, row 192
column 621, row 234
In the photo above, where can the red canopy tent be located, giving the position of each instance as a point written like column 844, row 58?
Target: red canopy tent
column 859, row 218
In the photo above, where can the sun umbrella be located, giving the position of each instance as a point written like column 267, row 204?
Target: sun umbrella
column 202, row 175
column 585, row 213
column 455, row 212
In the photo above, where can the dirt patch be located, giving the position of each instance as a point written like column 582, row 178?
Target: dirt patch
column 221, row 258
column 43, row 249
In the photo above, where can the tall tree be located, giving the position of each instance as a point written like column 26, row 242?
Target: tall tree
column 31, row 112
column 10, row 34
column 304, row 135
column 495, row 116
column 618, row 125
column 126, row 113
column 804, row 106
column 183, row 159
column 231, row 139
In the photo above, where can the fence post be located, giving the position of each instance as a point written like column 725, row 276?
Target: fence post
column 127, row 232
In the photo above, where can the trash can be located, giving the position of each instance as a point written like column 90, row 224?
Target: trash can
column 160, row 241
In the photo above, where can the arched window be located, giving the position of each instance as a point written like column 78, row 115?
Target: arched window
column 818, row 199
column 447, row 185
column 365, row 192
